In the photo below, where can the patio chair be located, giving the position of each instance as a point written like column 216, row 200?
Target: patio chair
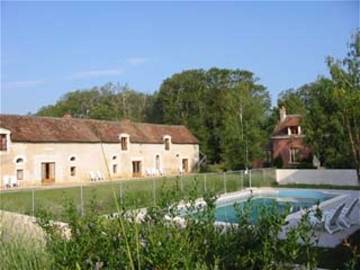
column 99, row 175
column 13, row 181
column 148, row 172
column 6, row 181
column 330, row 219
column 93, row 176
column 162, row 172
column 345, row 217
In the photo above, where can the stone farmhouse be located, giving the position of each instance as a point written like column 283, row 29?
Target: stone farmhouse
column 46, row 150
column 287, row 141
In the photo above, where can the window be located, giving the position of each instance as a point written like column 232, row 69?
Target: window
column 72, row 171
column 3, row 142
column 294, row 155
column 185, row 165
column 114, row 168
column 136, row 168
column 19, row 161
column 72, row 158
column 157, row 162
column 124, row 143
column 114, row 157
column 167, row 144
column 294, row 130
column 19, row 174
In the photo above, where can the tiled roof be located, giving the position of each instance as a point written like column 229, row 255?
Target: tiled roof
column 67, row 129
column 291, row 120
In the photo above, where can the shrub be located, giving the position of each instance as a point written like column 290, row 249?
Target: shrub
column 98, row 242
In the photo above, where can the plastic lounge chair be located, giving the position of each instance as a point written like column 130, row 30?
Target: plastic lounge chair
column 148, row 172
column 331, row 219
column 345, row 219
column 161, row 172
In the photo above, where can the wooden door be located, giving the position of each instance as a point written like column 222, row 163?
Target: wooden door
column 185, row 165
column 48, row 172
column 136, row 166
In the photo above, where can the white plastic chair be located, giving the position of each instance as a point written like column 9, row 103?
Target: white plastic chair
column 148, row 172
column 161, row 172
column 153, row 172
column 345, row 217
column 93, row 177
column 330, row 219
column 13, row 181
column 6, row 181
column 99, row 175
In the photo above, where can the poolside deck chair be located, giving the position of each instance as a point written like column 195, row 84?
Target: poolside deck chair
column 345, row 217
column 331, row 219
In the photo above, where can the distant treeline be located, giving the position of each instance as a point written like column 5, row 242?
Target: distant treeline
column 230, row 112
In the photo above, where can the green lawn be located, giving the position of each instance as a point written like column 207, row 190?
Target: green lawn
column 132, row 193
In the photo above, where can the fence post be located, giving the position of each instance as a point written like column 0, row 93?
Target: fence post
column 181, row 184
column 249, row 178
column 242, row 179
column 121, row 193
column 154, row 190
column 263, row 177
column 224, row 179
column 81, row 200
column 205, row 187
column 33, row 202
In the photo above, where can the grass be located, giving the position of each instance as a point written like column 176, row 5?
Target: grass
column 134, row 193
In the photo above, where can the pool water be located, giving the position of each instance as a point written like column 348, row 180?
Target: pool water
column 294, row 200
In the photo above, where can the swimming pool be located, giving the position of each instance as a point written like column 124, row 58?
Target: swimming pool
column 292, row 199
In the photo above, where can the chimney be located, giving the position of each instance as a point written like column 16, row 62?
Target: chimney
column 67, row 115
column 282, row 113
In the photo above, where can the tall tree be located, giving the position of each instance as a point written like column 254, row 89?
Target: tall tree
column 224, row 108
column 345, row 75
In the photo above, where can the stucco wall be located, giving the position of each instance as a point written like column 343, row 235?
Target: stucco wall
column 91, row 157
column 317, row 177
column 281, row 147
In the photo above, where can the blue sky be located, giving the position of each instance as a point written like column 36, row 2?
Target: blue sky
column 50, row 48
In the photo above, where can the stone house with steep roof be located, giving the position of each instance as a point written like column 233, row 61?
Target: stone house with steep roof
column 287, row 141
column 48, row 150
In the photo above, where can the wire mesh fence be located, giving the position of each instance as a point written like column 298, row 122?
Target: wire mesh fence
column 134, row 193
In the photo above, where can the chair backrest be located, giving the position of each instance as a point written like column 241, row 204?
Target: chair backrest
column 6, row 180
column 99, row 174
column 13, row 180
column 336, row 213
column 352, row 206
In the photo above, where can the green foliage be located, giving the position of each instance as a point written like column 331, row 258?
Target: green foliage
column 226, row 109
column 121, row 242
column 278, row 162
column 332, row 111
column 110, row 102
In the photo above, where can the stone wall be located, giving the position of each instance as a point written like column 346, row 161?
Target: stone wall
column 317, row 177
column 92, row 157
